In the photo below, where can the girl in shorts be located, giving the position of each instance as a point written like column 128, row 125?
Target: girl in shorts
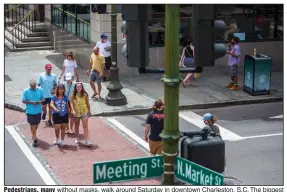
column 60, row 113
column 80, row 109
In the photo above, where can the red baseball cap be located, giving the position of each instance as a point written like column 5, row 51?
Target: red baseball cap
column 48, row 66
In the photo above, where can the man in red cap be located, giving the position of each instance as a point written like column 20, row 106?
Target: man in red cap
column 48, row 82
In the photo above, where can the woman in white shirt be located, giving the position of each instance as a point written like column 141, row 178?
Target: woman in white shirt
column 70, row 66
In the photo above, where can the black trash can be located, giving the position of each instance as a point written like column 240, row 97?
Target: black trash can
column 257, row 74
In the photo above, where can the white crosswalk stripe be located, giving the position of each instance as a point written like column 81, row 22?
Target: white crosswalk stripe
column 195, row 119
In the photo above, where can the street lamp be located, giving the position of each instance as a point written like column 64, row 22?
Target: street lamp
column 115, row 96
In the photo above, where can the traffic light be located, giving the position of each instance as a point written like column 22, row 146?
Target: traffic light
column 205, row 27
column 136, row 49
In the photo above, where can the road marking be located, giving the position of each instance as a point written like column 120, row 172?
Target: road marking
column 128, row 132
column 195, row 119
column 277, row 117
column 30, row 156
column 259, row 136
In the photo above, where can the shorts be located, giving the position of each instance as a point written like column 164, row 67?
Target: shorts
column 47, row 101
column 233, row 70
column 57, row 119
column 95, row 76
column 34, row 119
column 71, row 79
column 108, row 62
column 84, row 116
column 155, row 147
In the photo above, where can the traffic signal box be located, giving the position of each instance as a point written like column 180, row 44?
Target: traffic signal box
column 204, row 149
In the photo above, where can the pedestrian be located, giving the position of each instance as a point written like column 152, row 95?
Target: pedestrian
column 61, row 110
column 48, row 82
column 33, row 98
column 80, row 109
column 187, row 60
column 105, row 49
column 233, row 62
column 70, row 66
column 209, row 120
column 154, row 126
column 69, row 87
column 96, row 69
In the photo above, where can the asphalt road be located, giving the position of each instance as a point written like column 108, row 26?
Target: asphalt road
column 255, row 159
column 18, row 169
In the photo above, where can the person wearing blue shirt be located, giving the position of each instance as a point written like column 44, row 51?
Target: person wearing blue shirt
column 69, row 87
column 48, row 82
column 61, row 112
column 33, row 97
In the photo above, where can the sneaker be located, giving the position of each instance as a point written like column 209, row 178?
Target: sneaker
column 76, row 141
column 87, row 143
column 230, row 85
column 43, row 116
column 50, row 123
column 71, row 131
column 61, row 143
column 56, row 141
column 234, row 87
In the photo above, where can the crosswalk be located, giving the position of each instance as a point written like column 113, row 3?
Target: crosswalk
column 134, row 125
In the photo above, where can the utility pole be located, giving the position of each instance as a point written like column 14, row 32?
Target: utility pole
column 171, row 81
column 115, row 96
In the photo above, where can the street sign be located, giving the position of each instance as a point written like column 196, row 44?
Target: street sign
column 128, row 169
column 195, row 174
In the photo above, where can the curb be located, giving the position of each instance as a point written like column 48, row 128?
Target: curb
column 141, row 111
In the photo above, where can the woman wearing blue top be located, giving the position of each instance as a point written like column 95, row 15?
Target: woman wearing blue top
column 61, row 110
column 69, row 87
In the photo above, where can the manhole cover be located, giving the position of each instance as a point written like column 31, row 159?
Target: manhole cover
column 7, row 78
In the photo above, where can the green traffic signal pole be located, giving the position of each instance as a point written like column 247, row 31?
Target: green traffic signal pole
column 171, row 81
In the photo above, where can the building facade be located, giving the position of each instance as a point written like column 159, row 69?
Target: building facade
column 76, row 28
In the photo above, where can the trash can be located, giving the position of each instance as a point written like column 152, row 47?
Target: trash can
column 257, row 74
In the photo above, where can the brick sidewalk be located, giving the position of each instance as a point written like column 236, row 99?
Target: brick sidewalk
column 73, row 164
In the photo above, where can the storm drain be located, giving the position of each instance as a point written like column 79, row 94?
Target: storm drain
column 7, row 78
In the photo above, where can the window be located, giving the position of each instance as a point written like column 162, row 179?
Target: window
column 157, row 25
column 73, row 18
column 251, row 22
column 248, row 22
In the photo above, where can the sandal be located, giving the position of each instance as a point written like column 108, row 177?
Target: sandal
column 98, row 97
column 94, row 95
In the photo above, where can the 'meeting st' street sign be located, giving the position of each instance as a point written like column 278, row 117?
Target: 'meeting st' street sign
column 128, row 169
column 148, row 167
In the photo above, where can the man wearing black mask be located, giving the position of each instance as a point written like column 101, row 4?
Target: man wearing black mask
column 154, row 126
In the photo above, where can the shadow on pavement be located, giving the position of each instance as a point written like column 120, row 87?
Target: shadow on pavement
column 44, row 145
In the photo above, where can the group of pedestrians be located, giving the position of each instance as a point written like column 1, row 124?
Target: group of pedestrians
column 67, row 102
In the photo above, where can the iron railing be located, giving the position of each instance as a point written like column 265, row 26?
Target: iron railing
column 22, row 29
column 71, row 23
column 13, row 15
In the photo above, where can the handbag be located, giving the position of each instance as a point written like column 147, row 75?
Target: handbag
column 188, row 61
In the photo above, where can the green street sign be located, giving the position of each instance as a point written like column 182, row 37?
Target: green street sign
column 128, row 169
column 195, row 174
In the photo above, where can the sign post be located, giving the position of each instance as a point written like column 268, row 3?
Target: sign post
column 195, row 174
column 128, row 169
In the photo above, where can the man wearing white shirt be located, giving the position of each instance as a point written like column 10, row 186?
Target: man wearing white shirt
column 105, row 49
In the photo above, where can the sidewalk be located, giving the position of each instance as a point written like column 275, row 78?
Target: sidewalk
column 73, row 164
column 141, row 90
